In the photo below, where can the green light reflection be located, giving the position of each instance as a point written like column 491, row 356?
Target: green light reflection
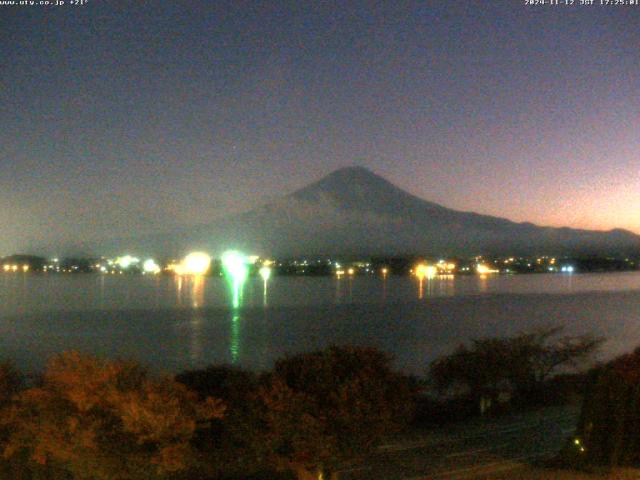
column 235, row 337
column 236, row 271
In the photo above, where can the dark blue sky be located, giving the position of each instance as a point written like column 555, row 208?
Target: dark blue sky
column 118, row 117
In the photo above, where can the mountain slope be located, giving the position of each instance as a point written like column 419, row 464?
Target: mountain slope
column 353, row 211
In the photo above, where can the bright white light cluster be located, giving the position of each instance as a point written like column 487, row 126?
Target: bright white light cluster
column 196, row 263
column 150, row 266
column 235, row 264
column 126, row 261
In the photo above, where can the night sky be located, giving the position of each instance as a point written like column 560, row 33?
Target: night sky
column 120, row 117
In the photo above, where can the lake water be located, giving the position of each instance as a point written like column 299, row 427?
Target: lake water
column 172, row 324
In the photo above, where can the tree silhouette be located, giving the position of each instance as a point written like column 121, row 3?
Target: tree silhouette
column 518, row 365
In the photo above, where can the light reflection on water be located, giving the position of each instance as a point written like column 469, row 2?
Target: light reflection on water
column 25, row 294
column 179, row 281
column 234, row 344
column 197, row 291
column 175, row 323
column 264, row 293
column 196, row 323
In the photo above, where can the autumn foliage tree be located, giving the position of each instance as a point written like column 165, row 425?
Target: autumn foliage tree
column 88, row 418
column 94, row 419
column 322, row 410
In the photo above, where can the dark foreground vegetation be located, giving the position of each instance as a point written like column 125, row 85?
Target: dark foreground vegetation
column 609, row 429
column 311, row 416
column 92, row 419
column 527, row 369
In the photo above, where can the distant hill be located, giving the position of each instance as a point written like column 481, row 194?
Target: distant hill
column 353, row 211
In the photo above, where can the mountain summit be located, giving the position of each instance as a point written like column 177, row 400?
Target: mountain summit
column 353, row 211
column 359, row 189
column 347, row 178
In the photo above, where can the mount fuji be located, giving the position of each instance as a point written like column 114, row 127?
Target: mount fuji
column 354, row 212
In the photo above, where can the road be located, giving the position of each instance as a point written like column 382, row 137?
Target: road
column 476, row 449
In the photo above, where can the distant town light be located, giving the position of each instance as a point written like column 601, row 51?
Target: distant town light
column 483, row 269
column 179, row 269
column 235, row 265
column 150, row 266
column 265, row 273
column 424, row 270
column 196, row 263
column 126, row 261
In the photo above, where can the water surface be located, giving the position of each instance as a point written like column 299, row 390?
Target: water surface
column 173, row 324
